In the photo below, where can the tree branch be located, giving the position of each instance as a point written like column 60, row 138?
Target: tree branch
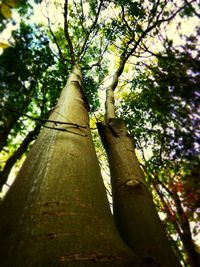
column 67, row 36
column 125, row 56
column 193, row 9
column 125, row 21
column 91, row 29
column 80, row 16
column 53, row 35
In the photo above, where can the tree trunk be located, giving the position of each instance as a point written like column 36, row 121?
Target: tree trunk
column 57, row 213
column 193, row 256
column 6, row 128
column 170, row 214
column 10, row 118
column 17, row 155
column 134, row 211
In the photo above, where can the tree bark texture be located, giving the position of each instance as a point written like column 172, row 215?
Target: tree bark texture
column 134, row 211
column 57, row 213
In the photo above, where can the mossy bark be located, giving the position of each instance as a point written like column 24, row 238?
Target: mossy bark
column 134, row 211
column 57, row 213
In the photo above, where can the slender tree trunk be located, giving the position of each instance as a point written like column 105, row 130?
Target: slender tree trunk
column 57, row 213
column 12, row 118
column 193, row 256
column 182, row 226
column 17, row 155
column 134, row 211
column 5, row 130
column 170, row 215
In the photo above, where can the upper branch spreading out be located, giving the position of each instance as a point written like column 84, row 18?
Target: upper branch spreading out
column 126, row 55
column 53, row 35
column 68, row 38
column 127, row 52
column 125, row 21
column 80, row 14
column 154, row 10
column 90, row 31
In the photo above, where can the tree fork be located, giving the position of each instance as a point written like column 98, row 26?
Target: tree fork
column 56, row 213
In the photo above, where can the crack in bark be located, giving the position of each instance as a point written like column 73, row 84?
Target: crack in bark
column 117, row 127
column 48, row 236
column 96, row 257
column 130, row 185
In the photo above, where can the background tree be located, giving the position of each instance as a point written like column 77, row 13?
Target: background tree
column 165, row 101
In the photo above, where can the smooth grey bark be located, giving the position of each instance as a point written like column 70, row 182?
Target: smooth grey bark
column 134, row 211
column 57, row 213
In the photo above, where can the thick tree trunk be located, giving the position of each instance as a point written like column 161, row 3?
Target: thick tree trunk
column 57, row 213
column 17, row 155
column 133, row 207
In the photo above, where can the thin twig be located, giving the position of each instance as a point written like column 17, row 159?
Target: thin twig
column 125, row 21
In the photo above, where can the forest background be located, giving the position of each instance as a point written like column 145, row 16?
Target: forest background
column 148, row 51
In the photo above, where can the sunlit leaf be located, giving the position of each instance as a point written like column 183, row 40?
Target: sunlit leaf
column 4, row 45
column 5, row 11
